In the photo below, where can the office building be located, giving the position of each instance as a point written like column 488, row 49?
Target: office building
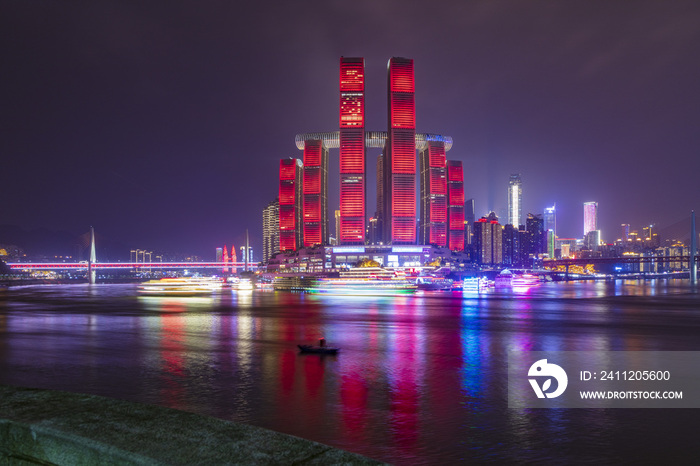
column 550, row 219
column 515, row 201
column 271, row 230
column 455, row 205
column 590, row 217
column 315, row 197
column 395, row 216
column 400, row 156
column 290, row 204
column 433, row 195
column 352, row 151
column 536, row 239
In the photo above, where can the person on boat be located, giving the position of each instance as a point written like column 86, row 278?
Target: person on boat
column 322, row 342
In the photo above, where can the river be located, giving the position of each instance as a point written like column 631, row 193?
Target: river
column 420, row 379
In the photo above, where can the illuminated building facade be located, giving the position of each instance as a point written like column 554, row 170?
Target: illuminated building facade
column 590, row 217
column 315, row 197
column 515, row 200
column 433, row 195
column 290, row 204
column 455, row 205
column 271, row 230
column 352, row 151
column 400, row 155
column 395, row 216
column 550, row 219
column 488, row 240
column 536, row 239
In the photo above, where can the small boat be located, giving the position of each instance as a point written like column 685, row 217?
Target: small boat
column 321, row 348
column 318, row 349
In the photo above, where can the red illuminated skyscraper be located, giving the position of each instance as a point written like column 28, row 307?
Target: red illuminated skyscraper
column 455, row 203
column 352, row 151
column 290, row 208
column 315, row 188
column 433, row 195
column 400, row 156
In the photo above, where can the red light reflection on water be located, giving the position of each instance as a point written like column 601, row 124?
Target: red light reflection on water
column 172, row 349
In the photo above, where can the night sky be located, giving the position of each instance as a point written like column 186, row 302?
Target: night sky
column 161, row 123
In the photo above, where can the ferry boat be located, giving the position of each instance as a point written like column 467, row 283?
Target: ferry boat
column 431, row 283
column 189, row 286
column 364, row 281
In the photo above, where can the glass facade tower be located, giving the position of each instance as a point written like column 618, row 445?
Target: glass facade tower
column 352, row 151
column 315, row 189
column 290, row 207
column 433, row 195
column 515, row 201
column 455, row 205
column 400, row 155
column 590, row 217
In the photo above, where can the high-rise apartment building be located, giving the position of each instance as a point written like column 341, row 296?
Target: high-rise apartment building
column 488, row 240
column 469, row 219
column 400, row 155
column 455, row 205
column 590, row 217
column 290, row 204
column 271, row 230
column 515, row 200
column 352, row 151
column 433, row 195
column 315, row 189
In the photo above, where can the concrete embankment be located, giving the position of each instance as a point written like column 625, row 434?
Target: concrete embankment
column 52, row 427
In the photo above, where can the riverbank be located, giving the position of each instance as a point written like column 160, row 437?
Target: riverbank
column 46, row 426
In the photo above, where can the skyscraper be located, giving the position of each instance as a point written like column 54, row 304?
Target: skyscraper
column 290, row 204
column 315, row 189
column 455, row 205
column 433, row 195
column 271, row 230
column 550, row 219
column 352, row 151
column 625, row 231
column 515, row 200
column 488, row 240
column 590, row 217
column 400, row 155
column 536, row 238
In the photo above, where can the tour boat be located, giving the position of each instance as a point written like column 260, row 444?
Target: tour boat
column 189, row 286
column 364, row 281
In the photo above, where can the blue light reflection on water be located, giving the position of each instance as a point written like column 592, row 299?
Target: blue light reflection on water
column 420, row 379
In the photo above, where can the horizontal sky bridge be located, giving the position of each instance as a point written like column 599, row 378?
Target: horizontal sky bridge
column 374, row 139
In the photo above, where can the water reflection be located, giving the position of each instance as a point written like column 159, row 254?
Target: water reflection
column 419, row 379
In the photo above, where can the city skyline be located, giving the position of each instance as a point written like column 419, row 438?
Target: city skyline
column 161, row 130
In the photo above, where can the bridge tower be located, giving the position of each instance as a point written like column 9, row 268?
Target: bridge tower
column 92, row 274
column 693, row 250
